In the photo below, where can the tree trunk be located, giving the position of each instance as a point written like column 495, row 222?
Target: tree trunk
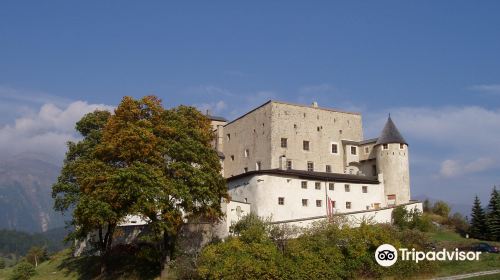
column 168, row 253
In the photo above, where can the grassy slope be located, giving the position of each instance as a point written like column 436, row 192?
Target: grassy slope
column 62, row 266
column 451, row 240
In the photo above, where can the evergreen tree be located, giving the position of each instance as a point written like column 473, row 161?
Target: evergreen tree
column 493, row 216
column 478, row 220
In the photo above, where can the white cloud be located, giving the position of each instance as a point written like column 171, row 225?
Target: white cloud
column 462, row 140
column 213, row 108
column 455, row 168
column 45, row 131
column 492, row 88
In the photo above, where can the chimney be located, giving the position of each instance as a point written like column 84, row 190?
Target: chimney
column 315, row 104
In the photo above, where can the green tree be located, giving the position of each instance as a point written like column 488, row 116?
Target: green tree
column 84, row 186
column 400, row 217
column 2, row 263
column 441, row 208
column 478, row 227
column 23, row 271
column 426, row 206
column 36, row 255
column 142, row 160
column 459, row 223
column 493, row 216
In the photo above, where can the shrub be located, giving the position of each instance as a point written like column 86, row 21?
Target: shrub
column 23, row 271
column 441, row 208
column 325, row 251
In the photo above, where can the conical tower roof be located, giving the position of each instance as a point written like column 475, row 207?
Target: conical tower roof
column 390, row 134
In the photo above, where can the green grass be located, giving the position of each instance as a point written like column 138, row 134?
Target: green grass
column 486, row 262
column 448, row 239
column 487, row 277
column 62, row 266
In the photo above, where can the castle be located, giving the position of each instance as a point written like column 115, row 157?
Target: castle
column 298, row 164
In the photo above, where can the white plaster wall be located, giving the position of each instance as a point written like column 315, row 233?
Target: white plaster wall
column 263, row 191
column 379, row 216
column 393, row 163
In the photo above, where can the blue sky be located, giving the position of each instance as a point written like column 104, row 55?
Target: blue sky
column 434, row 64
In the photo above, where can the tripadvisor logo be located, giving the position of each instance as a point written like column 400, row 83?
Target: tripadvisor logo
column 386, row 255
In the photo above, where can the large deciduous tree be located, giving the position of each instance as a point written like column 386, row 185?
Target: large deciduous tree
column 141, row 160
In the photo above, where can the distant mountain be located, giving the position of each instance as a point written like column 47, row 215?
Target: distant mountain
column 25, row 193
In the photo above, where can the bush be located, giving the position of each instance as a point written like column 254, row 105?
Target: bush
column 441, row 208
column 23, row 271
column 459, row 223
column 325, row 251
column 413, row 219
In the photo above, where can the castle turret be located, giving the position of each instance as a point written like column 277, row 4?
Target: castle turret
column 392, row 161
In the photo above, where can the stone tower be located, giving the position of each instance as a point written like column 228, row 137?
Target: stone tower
column 392, row 162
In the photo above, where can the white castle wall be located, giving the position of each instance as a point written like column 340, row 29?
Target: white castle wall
column 380, row 216
column 394, row 165
column 263, row 191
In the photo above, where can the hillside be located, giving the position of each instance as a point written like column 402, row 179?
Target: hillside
column 25, row 194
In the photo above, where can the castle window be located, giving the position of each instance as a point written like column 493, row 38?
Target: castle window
column 295, row 125
column 245, row 170
column 367, row 150
column 258, row 165
column 348, row 205
column 305, row 145
column 304, row 202
column 365, row 189
column 317, row 128
column 347, row 188
column 232, row 157
column 317, row 185
column 284, row 142
column 289, row 164
column 353, row 151
column 247, row 152
column 318, row 203
column 303, row 184
column 281, row 201
column 402, row 146
column 310, row 166
column 228, row 137
column 331, row 186
column 385, row 146
column 374, row 170
column 329, row 168
column 340, row 131
column 335, row 149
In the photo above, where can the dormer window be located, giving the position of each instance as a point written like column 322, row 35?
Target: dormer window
column 402, row 146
